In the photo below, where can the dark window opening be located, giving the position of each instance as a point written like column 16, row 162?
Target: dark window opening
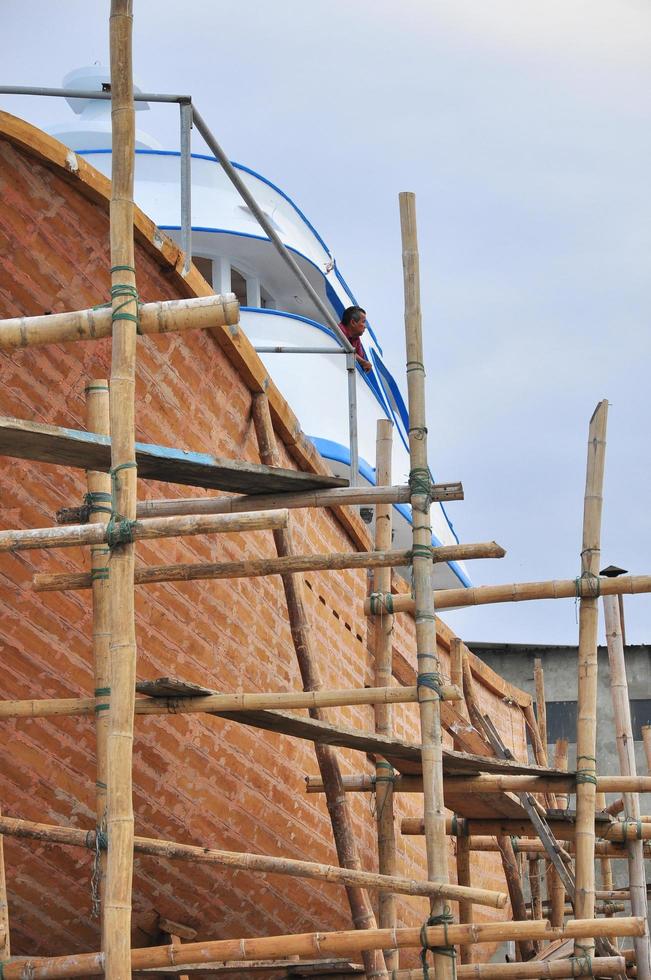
column 204, row 266
column 238, row 286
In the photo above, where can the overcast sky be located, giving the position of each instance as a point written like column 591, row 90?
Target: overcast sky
column 524, row 129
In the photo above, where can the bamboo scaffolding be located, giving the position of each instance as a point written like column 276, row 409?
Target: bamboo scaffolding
column 154, row 318
column 492, row 783
column 284, row 564
column 514, row 592
column 539, row 680
column 605, row 866
column 555, row 883
column 158, row 527
column 319, row 943
column 382, row 635
column 536, row 865
column 465, row 908
column 335, row 497
column 262, row 863
column 342, row 829
column 215, row 703
column 428, row 662
column 627, row 766
column 119, row 820
column 586, row 737
column 604, row 966
column 614, row 832
column 99, row 491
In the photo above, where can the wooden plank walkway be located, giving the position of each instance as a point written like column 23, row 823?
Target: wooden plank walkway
column 89, row 451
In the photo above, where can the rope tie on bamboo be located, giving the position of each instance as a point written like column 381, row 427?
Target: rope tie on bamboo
column 94, row 503
column 390, row 777
column 583, row 962
column 98, row 845
column 102, row 692
column 119, row 529
column 587, row 774
column 420, row 480
column 381, row 603
column 130, row 294
column 421, row 551
column 444, row 919
column 629, row 822
column 431, row 679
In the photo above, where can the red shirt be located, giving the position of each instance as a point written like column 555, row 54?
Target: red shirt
column 355, row 341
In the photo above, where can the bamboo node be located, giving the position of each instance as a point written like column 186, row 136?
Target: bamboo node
column 442, row 919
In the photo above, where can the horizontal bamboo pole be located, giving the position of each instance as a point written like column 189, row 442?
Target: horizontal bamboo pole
column 158, row 527
column 254, row 568
column 532, row 846
column 73, row 837
column 491, row 783
column 514, row 592
column 601, row 908
column 602, row 966
column 624, row 831
column 78, row 707
column 335, row 497
column 154, row 318
column 321, row 944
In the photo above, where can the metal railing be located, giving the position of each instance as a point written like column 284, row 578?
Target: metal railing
column 189, row 116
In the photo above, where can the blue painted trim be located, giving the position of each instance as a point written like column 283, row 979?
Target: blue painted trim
column 278, row 190
column 402, row 420
column 341, row 454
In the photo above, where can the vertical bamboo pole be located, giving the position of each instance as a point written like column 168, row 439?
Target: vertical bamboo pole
column 627, row 767
column 383, row 649
column 119, row 866
column 428, row 663
column 466, row 914
column 342, row 828
column 605, row 863
column 646, row 739
column 541, row 708
column 556, row 887
column 586, row 732
column 99, row 497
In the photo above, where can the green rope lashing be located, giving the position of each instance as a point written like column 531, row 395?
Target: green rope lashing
column 629, row 822
column 119, row 530
column 586, row 774
column 421, row 551
column 93, row 503
column 99, row 574
column 415, row 366
column 444, row 919
column 116, row 469
column 430, row 679
column 390, row 778
column 101, row 691
column 583, row 961
column 420, row 480
column 381, row 603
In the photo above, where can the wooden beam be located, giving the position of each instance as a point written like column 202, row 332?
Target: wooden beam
column 87, row 450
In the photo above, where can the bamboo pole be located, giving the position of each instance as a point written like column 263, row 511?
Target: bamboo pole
column 342, row 827
column 99, row 497
column 259, row 863
column 531, row 846
column 383, row 656
column 514, row 592
column 214, row 703
column 605, row 966
column 155, row 318
column 614, row 832
column 466, row 915
column 428, row 662
column 285, row 564
column 525, row 947
column 627, row 766
column 147, row 530
column 604, row 861
column 646, row 738
column 555, row 883
column 119, row 865
column 586, row 736
column 335, row 497
column 536, row 865
column 492, row 783
column 539, row 679
column 535, row 875
column 320, row 944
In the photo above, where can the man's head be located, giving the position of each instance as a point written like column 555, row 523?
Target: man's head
column 355, row 319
